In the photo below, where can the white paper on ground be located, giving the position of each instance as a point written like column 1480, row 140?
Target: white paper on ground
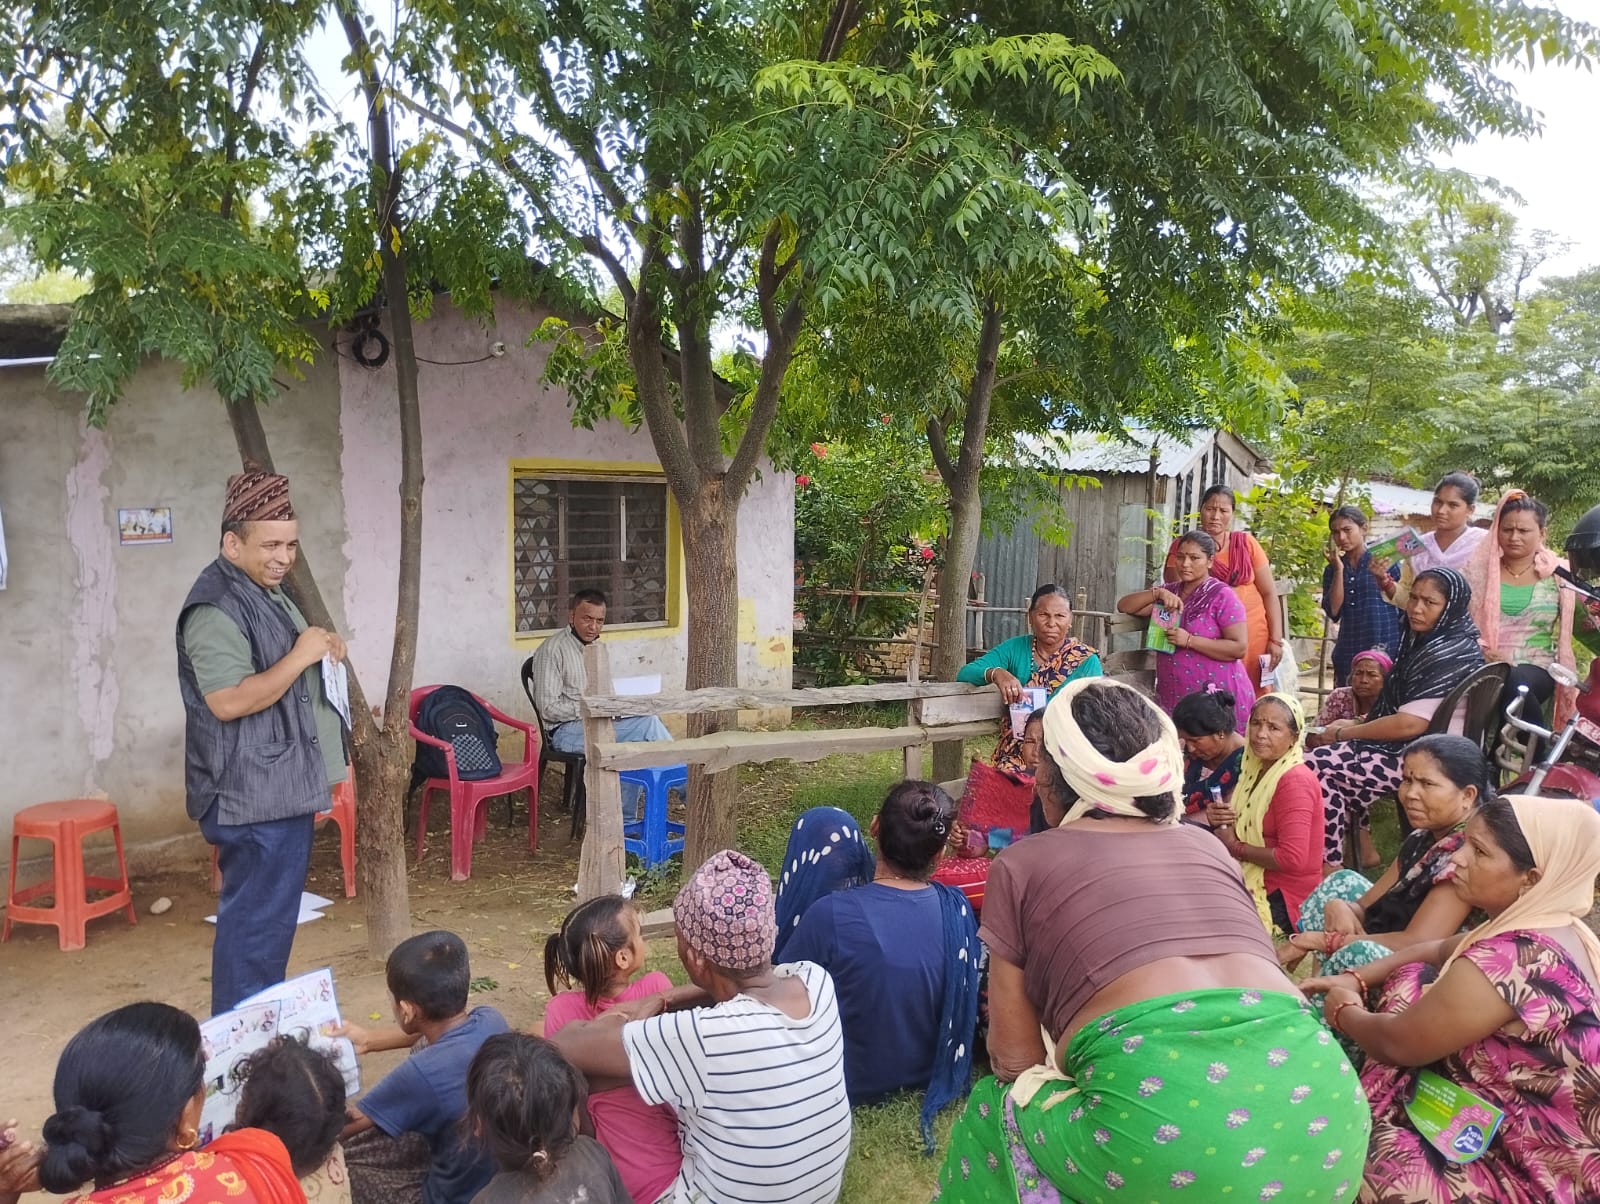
column 649, row 683
column 309, row 903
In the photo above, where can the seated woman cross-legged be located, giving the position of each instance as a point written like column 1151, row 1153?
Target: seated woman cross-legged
column 129, row 1089
column 1506, row 1012
column 1046, row 658
column 1354, row 702
column 1272, row 825
column 1349, row 920
column 903, row 953
column 1359, row 763
column 1139, row 1046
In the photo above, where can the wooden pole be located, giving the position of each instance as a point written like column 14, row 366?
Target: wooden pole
column 603, row 861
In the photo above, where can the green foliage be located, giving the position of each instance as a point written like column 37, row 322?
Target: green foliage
column 865, row 514
column 1291, row 525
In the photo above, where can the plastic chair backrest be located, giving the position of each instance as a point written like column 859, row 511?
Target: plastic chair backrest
column 1479, row 696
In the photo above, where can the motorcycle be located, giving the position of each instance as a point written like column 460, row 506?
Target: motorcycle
column 1570, row 766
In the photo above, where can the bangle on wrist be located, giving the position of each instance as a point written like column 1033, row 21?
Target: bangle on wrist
column 1333, row 1020
column 1360, row 982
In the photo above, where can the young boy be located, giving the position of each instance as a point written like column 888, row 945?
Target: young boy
column 757, row 1078
column 418, row 1155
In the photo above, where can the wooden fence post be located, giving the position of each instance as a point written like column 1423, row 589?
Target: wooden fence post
column 603, row 860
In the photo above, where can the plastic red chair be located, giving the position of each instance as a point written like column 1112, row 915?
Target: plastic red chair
column 64, row 825
column 343, row 815
column 468, row 815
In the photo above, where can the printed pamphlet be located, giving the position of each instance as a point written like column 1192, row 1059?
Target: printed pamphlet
column 1157, row 637
column 304, row 1008
column 1397, row 547
column 1458, row 1123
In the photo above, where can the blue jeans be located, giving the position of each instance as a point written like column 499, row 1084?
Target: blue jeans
column 263, row 872
column 644, row 729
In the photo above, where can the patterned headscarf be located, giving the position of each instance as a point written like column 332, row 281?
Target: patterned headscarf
column 257, row 497
column 1102, row 784
column 1377, row 656
column 725, row 912
column 1432, row 663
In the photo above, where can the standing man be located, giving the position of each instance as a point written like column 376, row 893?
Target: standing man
column 557, row 682
column 262, row 743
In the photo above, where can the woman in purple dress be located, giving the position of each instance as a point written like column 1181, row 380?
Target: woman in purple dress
column 1211, row 634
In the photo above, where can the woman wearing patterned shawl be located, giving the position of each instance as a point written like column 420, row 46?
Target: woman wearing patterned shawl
column 1507, row 1012
column 1359, row 763
column 1047, row 658
column 1141, row 1048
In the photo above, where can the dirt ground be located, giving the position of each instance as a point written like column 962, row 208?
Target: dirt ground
column 503, row 912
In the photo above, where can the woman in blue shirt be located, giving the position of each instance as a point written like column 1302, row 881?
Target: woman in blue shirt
column 903, row 951
column 1351, row 595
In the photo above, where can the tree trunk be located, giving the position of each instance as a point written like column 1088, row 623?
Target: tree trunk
column 710, row 552
column 383, row 756
column 966, row 525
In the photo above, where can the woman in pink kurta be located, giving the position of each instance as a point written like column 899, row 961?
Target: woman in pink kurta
column 1212, row 632
column 1506, row 1012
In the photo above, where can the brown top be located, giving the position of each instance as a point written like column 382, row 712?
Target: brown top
column 1078, row 908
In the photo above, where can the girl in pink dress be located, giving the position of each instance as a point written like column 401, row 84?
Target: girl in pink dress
column 598, row 950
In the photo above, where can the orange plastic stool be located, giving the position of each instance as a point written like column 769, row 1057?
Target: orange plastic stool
column 64, row 825
column 343, row 815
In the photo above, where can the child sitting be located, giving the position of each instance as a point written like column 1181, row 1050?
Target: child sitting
column 757, row 1078
column 418, row 1152
column 599, row 948
column 296, row 1093
column 523, row 1105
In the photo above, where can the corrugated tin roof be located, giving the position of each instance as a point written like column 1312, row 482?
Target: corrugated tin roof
column 1402, row 499
column 1092, row 452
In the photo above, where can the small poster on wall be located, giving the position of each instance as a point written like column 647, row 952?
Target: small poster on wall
column 145, row 524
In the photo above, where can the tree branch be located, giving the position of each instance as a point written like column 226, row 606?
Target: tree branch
column 782, row 329
column 230, row 147
column 939, row 448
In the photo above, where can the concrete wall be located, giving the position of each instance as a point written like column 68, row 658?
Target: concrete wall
column 88, row 677
column 87, row 661
column 479, row 417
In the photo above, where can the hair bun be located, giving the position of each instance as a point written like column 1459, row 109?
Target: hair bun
column 76, row 1140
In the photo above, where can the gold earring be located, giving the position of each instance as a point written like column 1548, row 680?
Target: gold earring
column 190, row 1141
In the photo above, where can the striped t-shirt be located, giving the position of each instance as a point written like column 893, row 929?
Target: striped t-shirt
column 762, row 1109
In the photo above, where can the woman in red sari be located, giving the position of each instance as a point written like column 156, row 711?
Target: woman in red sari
column 1241, row 564
column 129, row 1089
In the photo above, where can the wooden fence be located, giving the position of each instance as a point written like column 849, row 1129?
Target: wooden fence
column 938, row 711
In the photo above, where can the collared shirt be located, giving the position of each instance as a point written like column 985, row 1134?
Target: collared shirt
column 1366, row 620
column 558, row 679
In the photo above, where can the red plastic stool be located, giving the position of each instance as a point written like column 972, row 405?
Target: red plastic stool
column 343, row 815
column 64, row 825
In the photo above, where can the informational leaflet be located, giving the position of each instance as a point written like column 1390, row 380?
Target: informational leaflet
column 336, row 686
column 1397, row 547
column 1459, row 1124
column 1158, row 637
column 304, row 1008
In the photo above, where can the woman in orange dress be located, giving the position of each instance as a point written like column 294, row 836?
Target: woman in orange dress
column 129, row 1090
column 1241, row 564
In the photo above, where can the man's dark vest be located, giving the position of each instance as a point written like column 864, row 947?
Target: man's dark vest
column 264, row 766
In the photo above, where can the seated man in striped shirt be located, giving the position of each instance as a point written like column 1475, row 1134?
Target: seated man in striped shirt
column 756, row 1077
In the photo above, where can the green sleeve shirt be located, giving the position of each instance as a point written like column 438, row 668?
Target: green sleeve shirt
column 220, row 654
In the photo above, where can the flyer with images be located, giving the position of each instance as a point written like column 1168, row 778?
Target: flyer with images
column 305, row 1008
column 1459, row 1124
column 1157, row 636
column 1397, row 547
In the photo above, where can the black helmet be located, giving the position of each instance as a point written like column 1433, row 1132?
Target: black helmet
column 1583, row 545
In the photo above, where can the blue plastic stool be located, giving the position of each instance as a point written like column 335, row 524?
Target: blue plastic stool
column 654, row 838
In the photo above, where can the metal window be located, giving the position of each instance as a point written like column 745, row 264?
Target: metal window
column 582, row 532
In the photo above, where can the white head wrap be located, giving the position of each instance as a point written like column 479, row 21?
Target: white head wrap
column 1105, row 785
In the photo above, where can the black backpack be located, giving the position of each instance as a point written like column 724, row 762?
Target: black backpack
column 453, row 714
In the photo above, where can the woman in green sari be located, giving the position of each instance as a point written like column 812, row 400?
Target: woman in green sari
column 1143, row 1038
